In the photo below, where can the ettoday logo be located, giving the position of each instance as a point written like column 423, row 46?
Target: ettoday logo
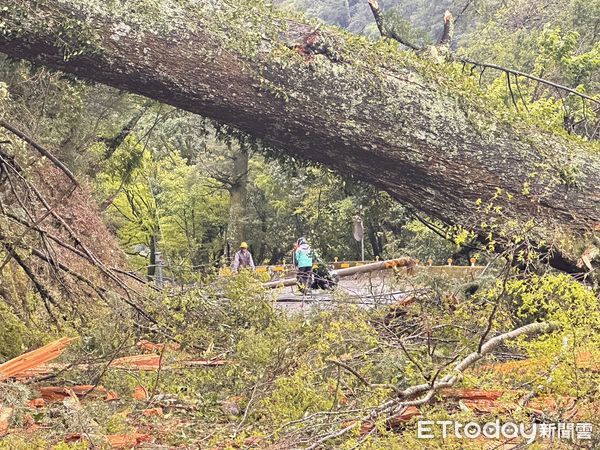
column 429, row 429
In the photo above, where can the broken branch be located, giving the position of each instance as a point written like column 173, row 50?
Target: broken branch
column 41, row 150
column 448, row 30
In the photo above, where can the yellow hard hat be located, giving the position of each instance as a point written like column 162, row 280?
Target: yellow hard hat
column 244, row 245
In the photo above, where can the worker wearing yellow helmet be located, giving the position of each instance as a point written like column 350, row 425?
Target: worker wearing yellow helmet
column 242, row 259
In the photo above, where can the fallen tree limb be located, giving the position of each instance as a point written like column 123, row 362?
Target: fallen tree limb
column 407, row 397
column 43, row 151
column 34, row 358
column 384, row 30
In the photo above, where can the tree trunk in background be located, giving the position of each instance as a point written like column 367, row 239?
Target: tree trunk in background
column 112, row 144
column 374, row 240
column 238, row 197
column 152, row 264
column 420, row 131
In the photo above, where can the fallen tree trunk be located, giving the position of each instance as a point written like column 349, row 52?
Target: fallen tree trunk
column 418, row 129
column 349, row 271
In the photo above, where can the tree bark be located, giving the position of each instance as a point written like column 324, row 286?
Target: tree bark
column 419, row 130
column 238, row 198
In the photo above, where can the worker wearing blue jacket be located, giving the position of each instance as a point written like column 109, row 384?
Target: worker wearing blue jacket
column 304, row 262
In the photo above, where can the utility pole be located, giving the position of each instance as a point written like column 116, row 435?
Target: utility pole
column 358, row 232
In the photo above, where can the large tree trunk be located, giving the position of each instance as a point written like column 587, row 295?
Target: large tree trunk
column 417, row 129
column 238, row 199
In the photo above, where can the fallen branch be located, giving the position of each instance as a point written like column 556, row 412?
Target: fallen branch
column 44, row 292
column 41, row 150
column 34, row 358
column 383, row 30
column 361, row 378
column 407, row 397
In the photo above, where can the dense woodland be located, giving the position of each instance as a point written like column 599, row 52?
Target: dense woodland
column 95, row 180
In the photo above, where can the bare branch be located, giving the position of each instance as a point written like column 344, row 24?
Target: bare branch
column 41, row 150
column 384, row 30
column 405, row 396
column 447, row 37
column 531, row 77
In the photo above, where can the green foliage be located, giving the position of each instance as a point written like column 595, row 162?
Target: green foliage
column 557, row 298
column 170, row 182
column 15, row 336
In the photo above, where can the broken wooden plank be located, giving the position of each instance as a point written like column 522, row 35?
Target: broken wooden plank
column 33, row 359
column 5, row 415
column 59, row 393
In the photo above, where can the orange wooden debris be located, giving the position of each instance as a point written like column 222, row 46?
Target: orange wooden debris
column 36, row 403
column 141, row 362
column 586, row 360
column 404, row 416
column 34, row 359
column 158, row 411
column 393, row 422
column 471, row 394
column 111, row 395
column 545, row 403
column 5, row 415
column 59, row 393
column 127, row 440
column 140, row 393
column 39, row 371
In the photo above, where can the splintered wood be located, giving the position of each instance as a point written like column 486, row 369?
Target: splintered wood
column 35, row 363
column 34, row 359
column 117, row 441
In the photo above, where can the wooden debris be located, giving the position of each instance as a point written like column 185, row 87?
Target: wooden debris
column 21, row 364
column 543, row 404
column 39, row 371
column 408, row 413
column 583, row 360
column 158, row 411
column 588, row 361
column 59, row 393
column 117, row 441
column 128, row 440
column 392, row 422
column 141, row 362
column 36, row 403
column 5, row 415
column 140, row 393
column 471, row 394
column 111, row 396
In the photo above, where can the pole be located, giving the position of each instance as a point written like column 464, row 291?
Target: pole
column 362, row 248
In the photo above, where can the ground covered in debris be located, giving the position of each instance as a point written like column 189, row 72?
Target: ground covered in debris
column 230, row 370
